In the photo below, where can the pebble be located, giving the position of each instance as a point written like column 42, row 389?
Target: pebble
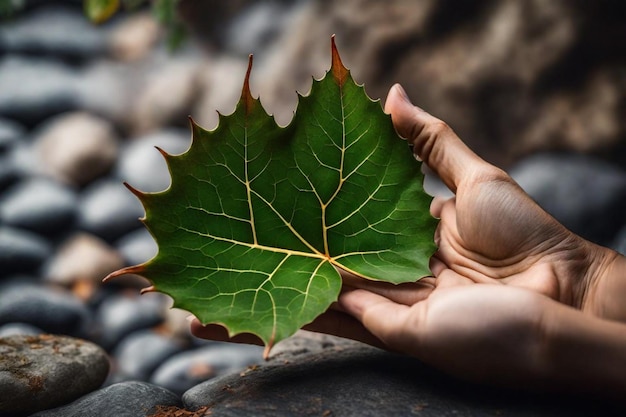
column 141, row 352
column 17, row 329
column 76, row 148
column 124, row 399
column 185, row 370
column 137, row 247
column 587, row 195
column 45, row 371
column 120, row 315
column 21, row 251
column 9, row 173
column 32, row 89
column 143, row 167
column 39, row 205
column 109, row 210
column 10, row 133
column 53, row 310
column 82, row 257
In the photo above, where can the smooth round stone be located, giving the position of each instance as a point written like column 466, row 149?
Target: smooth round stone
column 137, row 247
column 10, row 133
column 21, row 251
column 109, row 210
column 51, row 309
column 33, row 89
column 45, row 371
column 141, row 352
column 52, row 31
column 364, row 381
column 125, row 399
column 82, row 257
column 119, row 316
column 39, row 205
column 76, row 148
column 143, row 167
column 189, row 368
column 19, row 329
column 587, row 195
column 9, row 172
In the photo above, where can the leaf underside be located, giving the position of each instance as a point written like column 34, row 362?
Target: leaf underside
column 259, row 217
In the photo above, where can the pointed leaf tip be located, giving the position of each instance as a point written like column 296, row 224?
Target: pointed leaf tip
column 137, row 269
column 340, row 73
column 133, row 190
column 246, row 95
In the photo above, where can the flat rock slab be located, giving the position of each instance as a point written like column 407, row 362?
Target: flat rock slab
column 45, row 371
column 363, row 381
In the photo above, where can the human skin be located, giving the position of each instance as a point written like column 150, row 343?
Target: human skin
column 515, row 298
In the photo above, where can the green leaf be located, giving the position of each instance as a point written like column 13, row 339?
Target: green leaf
column 259, row 217
column 99, row 11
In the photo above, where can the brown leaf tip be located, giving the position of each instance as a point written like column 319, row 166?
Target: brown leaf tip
column 246, row 95
column 339, row 72
column 137, row 269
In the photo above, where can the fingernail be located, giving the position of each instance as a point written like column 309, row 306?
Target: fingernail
column 402, row 93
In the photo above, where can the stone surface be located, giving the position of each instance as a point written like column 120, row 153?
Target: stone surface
column 587, row 195
column 137, row 247
column 118, row 316
column 140, row 353
column 143, row 167
column 109, row 210
column 52, row 310
column 82, row 257
column 39, row 205
column 21, row 251
column 45, row 371
column 187, row 369
column 10, row 133
column 133, row 37
column 125, row 399
column 17, row 329
column 362, row 381
column 76, row 147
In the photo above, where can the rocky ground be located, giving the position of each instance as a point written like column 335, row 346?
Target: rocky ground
column 82, row 107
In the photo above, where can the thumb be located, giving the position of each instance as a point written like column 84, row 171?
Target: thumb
column 433, row 141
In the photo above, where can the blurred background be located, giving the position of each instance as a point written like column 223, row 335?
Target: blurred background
column 535, row 87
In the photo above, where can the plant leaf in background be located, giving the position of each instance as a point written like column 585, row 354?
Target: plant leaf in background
column 258, row 217
column 99, row 11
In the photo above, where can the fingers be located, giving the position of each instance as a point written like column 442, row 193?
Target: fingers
column 408, row 293
column 433, row 140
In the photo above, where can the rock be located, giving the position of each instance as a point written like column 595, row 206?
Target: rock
column 39, row 205
column 51, row 309
column 187, row 369
column 134, row 37
column 17, row 329
column 82, row 257
column 118, row 316
column 45, row 371
column 141, row 352
column 143, row 167
column 137, row 247
column 587, row 195
column 125, row 399
column 76, row 148
column 619, row 244
column 10, row 133
column 9, row 173
column 108, row 210
column 33, row 89
column 364, row 381
column 21, row 251
column 51, row 31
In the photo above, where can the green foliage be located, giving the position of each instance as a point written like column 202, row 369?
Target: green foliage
column 259, row 218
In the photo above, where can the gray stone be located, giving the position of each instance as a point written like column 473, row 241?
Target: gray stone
column 141, row 352
column 125, row 399
column 45, row 371
column 109, row 210
column 76, row 147
column 21, row 251
column 32, row 89
column 143, row 167
column 9, row 173
column 39, row 205
column 137, row 247
column 51, row 309
column 17, row 329
column 186, row 369
column 119, row 316
column 10, row 133
column 619, row 244
column 363, row 381
column 52, row 30
column 585, row 194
